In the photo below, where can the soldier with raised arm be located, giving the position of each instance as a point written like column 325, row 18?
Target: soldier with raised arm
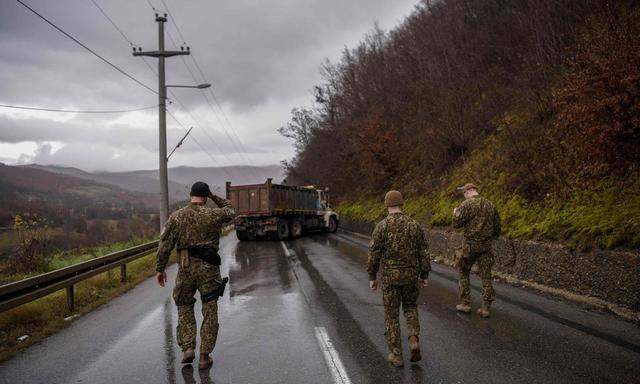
column 194, row 231
column 481, row 226
column 398, row 244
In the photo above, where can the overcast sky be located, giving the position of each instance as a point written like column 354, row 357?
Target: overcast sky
column 262, row 58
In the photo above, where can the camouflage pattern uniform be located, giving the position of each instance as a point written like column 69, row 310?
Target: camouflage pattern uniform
column 398, row 243
column 481, row 223
column 195, row 225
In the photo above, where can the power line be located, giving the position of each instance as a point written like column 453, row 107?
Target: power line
column 150, row 67
column 240, row 152
column 151, row 5
column 196, row 81
column 76, row 111
column 215, row 99
column 239, row 146
column 198, row 143
column 206, row 134
column 173, row 41
column 87, row 48
column 112, row 22
column 174, row 22
column 124, row 36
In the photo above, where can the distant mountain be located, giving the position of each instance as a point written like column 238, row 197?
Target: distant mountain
column 180, row 178
column 24, row 189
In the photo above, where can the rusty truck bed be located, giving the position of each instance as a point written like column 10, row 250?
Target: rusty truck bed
column 270, row 199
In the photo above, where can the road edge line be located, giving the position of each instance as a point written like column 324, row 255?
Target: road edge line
column 331, row 357
column 589, row 301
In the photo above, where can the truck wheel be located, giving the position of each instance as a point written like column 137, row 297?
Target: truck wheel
column 245, row 236
column 333, row 225
column 296, row 228
column 283, row 229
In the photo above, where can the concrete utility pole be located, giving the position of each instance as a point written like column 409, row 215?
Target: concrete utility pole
column 162, row 112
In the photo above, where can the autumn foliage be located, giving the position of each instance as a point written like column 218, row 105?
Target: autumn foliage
column 546, row 91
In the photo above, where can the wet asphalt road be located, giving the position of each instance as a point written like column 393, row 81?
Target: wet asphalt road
column 303, row 313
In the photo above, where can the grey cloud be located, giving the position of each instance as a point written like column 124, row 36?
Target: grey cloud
column 257, row 54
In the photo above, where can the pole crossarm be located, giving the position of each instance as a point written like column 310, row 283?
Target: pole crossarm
column 161, row 53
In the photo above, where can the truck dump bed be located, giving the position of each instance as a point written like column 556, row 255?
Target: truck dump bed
column 270, row 199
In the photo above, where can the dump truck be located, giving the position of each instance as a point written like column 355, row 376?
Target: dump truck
column 278, row 212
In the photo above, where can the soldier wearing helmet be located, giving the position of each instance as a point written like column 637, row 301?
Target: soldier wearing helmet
column 398, row 244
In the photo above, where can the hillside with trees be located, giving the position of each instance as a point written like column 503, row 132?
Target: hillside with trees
column 44, row 214
column 536, row 101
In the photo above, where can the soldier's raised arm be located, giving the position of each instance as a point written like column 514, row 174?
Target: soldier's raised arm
column 376, row 250
column 459, row 216
column 167, row 243
column 227, row 213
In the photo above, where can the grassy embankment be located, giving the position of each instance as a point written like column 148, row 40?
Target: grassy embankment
column 46, row 315
column 603, row 214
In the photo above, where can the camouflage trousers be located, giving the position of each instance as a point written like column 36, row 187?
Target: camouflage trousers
column 195, row 274
column 393, row 296
column 483, row 257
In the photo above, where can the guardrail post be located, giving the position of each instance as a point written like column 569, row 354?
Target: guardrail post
column 123, row 273
column 70, row 301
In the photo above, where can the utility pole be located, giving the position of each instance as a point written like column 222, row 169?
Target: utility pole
column 162, row 113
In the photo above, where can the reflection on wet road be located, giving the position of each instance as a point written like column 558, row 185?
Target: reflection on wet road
column 301, row 312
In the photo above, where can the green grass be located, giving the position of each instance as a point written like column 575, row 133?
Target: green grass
column 65, row 259
column 45, row 316
column 606, row 215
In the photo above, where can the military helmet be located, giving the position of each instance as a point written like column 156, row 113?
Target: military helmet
column 393, row 198
column 200, row 189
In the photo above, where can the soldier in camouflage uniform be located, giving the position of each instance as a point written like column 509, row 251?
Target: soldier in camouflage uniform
column 481, row 223
column 398, row 243
column 194, row 231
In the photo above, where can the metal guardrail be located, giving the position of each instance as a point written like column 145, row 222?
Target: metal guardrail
column 27, row 290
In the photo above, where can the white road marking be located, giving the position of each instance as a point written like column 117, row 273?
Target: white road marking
column 286, row 250
column 330, row 354
column 331, row 357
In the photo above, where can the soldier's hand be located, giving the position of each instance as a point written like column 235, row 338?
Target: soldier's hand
column 424, row 283
column 161, row 277
column 373, row 284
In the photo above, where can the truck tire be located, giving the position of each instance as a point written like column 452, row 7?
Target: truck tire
column 333, row 225
column 283, row 229
column 295, row 227
column 245, row 236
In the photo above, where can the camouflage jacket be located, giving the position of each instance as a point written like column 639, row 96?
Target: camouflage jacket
column 399, row 244
column 479, row 218
column 195, row 224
